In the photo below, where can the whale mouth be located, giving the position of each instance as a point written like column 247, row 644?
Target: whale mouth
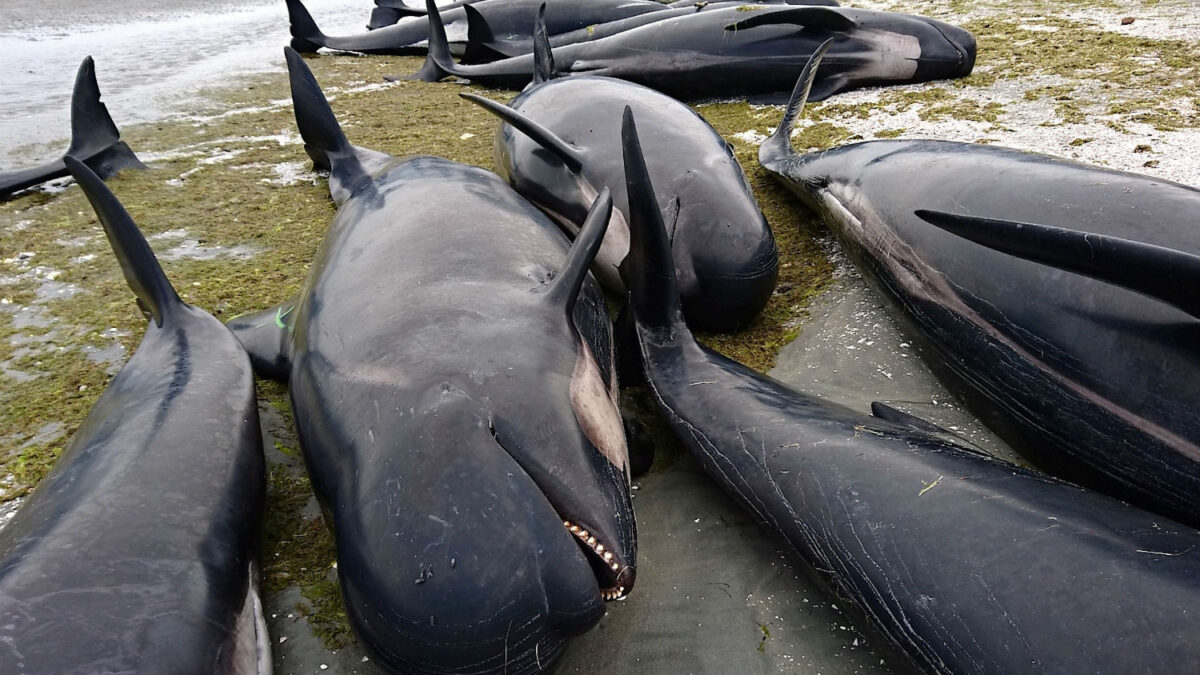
column 605, row 564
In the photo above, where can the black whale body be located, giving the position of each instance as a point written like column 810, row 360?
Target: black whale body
column 137, row 553
column 508, row 17
column 485, row 39
column 458, row 424
column 737, row 51
column 95, row 139
column 964, row 563
column 1093, row 382
column 725, row 254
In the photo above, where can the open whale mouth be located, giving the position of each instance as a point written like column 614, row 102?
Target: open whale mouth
column 615, row 579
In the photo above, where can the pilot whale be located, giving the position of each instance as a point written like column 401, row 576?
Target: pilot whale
column 449, row 362
column 962, row 563
column 95, row 139
column 1092, row 381
column 560, row 145
column 138, row 551
column 742, row 50
column 509, row 17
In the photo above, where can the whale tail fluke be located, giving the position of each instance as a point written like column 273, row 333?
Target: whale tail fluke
column 779, row 145
column 649, row 269
column 307, row 38
column 154, row 292
column 94, row 136
column 324, row 140
column 1161, row 273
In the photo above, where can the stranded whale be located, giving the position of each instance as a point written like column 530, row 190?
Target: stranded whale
column 963, row 563
column 560, row 146
column 138, row 550
column 95, row 139
column 450, row 368
column 1093, row 382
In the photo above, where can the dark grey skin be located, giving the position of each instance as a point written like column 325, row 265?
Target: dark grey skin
column 509, row 17
column 744, row 50
column 961, row 562
column 725, row 255
column 137, row 552
column 455, row 402
column 95, row 140
column 1092, row 381
column 482, row 38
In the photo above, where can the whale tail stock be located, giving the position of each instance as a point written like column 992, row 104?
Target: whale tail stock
column 779, row 146
column 155, row 295
column 324, row 140
column 307, row 38
column 1161, row 273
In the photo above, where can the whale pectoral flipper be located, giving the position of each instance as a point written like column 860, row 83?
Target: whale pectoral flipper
column 809, row 17
column 570, row 155
column 266, row 336
column 145, row 277
column 1161, row 273
column 889, row 414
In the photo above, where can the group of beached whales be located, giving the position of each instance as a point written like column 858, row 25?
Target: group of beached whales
column 455, row 390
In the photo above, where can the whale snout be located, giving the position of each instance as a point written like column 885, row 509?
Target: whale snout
column 958, row 53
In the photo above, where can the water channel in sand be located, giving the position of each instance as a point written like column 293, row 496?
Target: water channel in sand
column 152, row 58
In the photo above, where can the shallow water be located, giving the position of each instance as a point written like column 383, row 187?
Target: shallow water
column 152, row 58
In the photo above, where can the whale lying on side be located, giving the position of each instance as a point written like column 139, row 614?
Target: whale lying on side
column 138, row 551
column 1091, row 380
column 961, row 562
column 746, row 49
column 95, row 139
column 450, row 367
column 509, row 17
column 560, row 145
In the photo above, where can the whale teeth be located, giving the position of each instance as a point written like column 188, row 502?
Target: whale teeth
column 608, row 557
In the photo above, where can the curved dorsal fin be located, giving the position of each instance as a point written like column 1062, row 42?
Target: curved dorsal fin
column 779, row 145
column 543, row 57
column 145, row 277
column 649, row 269
column 565, row 289
column 569, row 154
column 809, row 17
column 92, row 127
column 1155, row 271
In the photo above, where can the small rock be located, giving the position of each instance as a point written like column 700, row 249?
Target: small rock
column 1151, row 164
column 1142, row 148
column 1125, row 21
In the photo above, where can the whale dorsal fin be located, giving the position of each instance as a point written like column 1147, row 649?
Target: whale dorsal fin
column 809, row 17
column 92, row 127
column 649, row 269
column 565, row 289
column 1158, row 272
column 324, row 140
column 481, row 41
column 306, row 36
column 779, row 145
column 543, row 56
column 569, row 154
column 145, row 277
